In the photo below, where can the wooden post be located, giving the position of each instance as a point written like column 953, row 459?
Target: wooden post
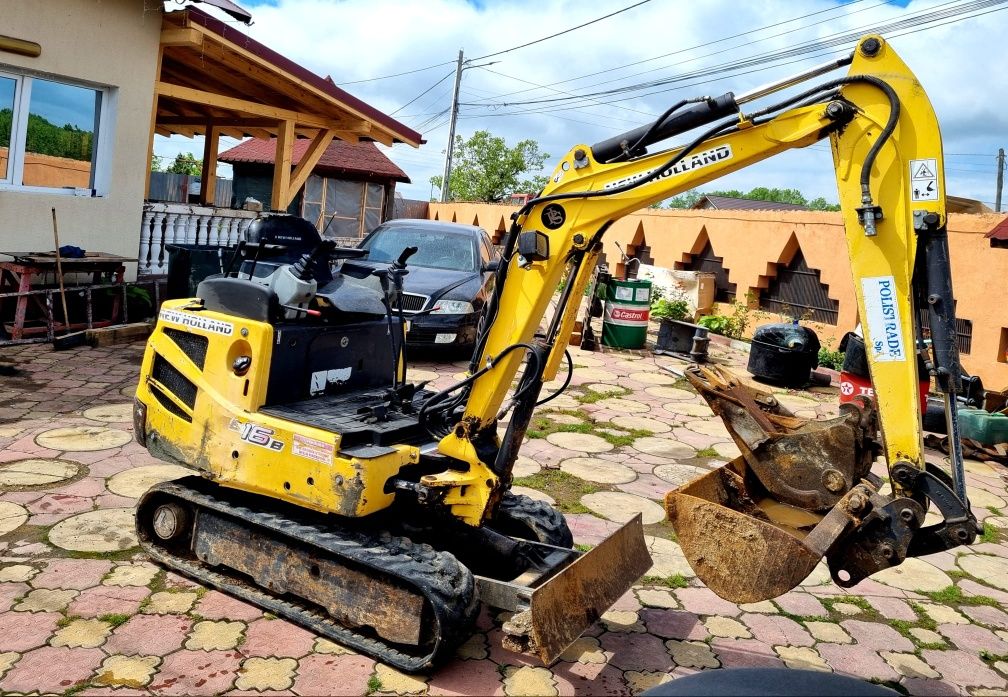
column 153, row 120
column 282, row 166
column 208, row 179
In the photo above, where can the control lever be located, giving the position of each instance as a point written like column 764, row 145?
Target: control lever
column 395, row 272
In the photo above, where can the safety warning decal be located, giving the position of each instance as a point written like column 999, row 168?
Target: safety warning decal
column 884, row 329
column 313, row 449
column 924, row 180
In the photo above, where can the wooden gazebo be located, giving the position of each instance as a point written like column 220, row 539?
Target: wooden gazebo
column 214, row 80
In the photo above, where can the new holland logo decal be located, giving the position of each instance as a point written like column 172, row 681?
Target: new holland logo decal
column 687, row 164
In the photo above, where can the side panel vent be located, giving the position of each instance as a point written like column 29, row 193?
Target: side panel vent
column 169, row 405
column 192, row 345
column 179, row 385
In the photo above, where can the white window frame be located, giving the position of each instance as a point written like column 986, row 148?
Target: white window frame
column 101, row 166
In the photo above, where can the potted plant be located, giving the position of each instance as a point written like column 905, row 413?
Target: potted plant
column 677, row 336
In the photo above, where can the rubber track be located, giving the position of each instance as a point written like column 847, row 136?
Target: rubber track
column 447, row 585
column 544, row 521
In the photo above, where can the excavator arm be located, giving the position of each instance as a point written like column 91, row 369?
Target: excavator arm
column 887, row 156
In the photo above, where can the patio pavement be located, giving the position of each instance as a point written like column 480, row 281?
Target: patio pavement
column 81, row 611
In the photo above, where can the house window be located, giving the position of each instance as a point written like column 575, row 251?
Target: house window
column 342, row 208
column 50, row 136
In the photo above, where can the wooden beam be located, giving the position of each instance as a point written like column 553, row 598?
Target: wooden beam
column 387, row 134
column 208, row 180
column 189, row 94
column 281, row 197
column 311, row 157
column 181, row 37
column 153, row 122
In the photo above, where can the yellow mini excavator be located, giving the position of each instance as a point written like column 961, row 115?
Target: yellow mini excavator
column 336, row 493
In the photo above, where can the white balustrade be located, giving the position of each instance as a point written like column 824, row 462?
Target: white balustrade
column 164, row 224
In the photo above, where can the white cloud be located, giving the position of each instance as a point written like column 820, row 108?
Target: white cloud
column 358, row 39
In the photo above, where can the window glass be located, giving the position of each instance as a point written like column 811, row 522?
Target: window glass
column 7, row 86
column 343, row 198
column 313, row 189
column 62, row 128
column 375, row 194
column 435, row 249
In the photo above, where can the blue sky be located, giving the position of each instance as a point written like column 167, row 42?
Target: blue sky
column 356, row 41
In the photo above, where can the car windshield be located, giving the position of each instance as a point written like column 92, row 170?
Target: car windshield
column 437, row 249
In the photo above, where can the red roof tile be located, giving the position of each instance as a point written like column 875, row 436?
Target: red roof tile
column 340, row 157
column 999, row 232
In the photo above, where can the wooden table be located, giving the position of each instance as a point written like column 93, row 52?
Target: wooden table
column 18, row 279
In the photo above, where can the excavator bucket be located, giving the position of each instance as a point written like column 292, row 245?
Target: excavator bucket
column 756, row 527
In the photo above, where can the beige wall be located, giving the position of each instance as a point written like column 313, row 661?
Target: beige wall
column 111, row 43
column 752, row 242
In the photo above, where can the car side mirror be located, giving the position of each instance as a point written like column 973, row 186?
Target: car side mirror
column 491, row 266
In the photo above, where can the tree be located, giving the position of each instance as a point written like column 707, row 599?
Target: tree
column 155, row 163
column 486, row 169
column 689, row 198
column 186, row 163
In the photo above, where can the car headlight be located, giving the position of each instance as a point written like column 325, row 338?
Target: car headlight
column 452, row 307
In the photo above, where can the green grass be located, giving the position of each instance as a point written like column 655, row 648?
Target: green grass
column 953, row 595
column 566, row 489
column 994, row 509
column 991, row 657
column 583, row 547
column 990, row 533
column 374, row 684
column 115, row 619
column 707, row 452
column 66, row 620
column 590, row 396
column 673, row 581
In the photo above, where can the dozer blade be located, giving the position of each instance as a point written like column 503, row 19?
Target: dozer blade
column 756, row 527
column 553, row 614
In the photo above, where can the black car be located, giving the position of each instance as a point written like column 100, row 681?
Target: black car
column 450, row 277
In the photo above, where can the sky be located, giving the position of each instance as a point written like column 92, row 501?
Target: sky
column 955, row 57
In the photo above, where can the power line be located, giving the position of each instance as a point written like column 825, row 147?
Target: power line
column 408, row 72
column 565, row 31
column 447, row 75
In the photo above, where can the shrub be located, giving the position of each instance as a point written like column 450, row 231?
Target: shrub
column 831, row 359
column 663, row 308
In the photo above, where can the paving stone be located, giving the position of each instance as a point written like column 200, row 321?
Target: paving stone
column 643, row 652
column 46, row 600
column 801, row 604
column 880, row 637
column 893, row 608
column 196, row 672
column 149, row 635
column 12, row 516
column 820, row 576
column 621, row 621
column 745, row 653
column 318, row 674
column 111, row 413
column 665, row 446
column 727, row 450
column 727, row 628
column 330, row 647
column 961, row 668
column 974, row 639
column 688, row 409
column 216, row 635
column 704, row 601
column 926, row 636
column 943, row 614
column 828, row 632
column 653, row 378
column 219, row 606
column 860, row 661
column 934, row 688
column 654, row 597
column 763, row 607
column 83, row 438
column 674, row 624
column 137, row 574
column 135, row 482
column 262, row 674
column 104, row 530
column 672, row 393
column 598, row 470
column 528, row 680
column 709, row 427
column 525, row 467
column 579, row 442
column 985, row 614
column 847, row 609
column 272, row 638
column 640, row 682
column 7, row 659
column 81, row 633
column 801, row 658
column 36, row 472
column 72, row 573
column 622, row 507
column 475, row 648
column 914, row 574
column 993, row 570
column 692, row 654
column 589, row 529
column 777, row 630
column 17, row 573
column 909, row 665
column 584, row 650
column 641, row 423
column 22, row 631
column 127, row 671
column 464, row 678
column 35, row 671
column 679, row 475
column 164, row 603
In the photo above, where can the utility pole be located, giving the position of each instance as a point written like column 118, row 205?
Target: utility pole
column 1000, row 179
column 445, row 194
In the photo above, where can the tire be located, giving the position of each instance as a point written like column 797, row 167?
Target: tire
column 524, row 517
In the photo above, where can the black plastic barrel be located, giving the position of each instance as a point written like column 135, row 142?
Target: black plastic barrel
column 784, row 354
